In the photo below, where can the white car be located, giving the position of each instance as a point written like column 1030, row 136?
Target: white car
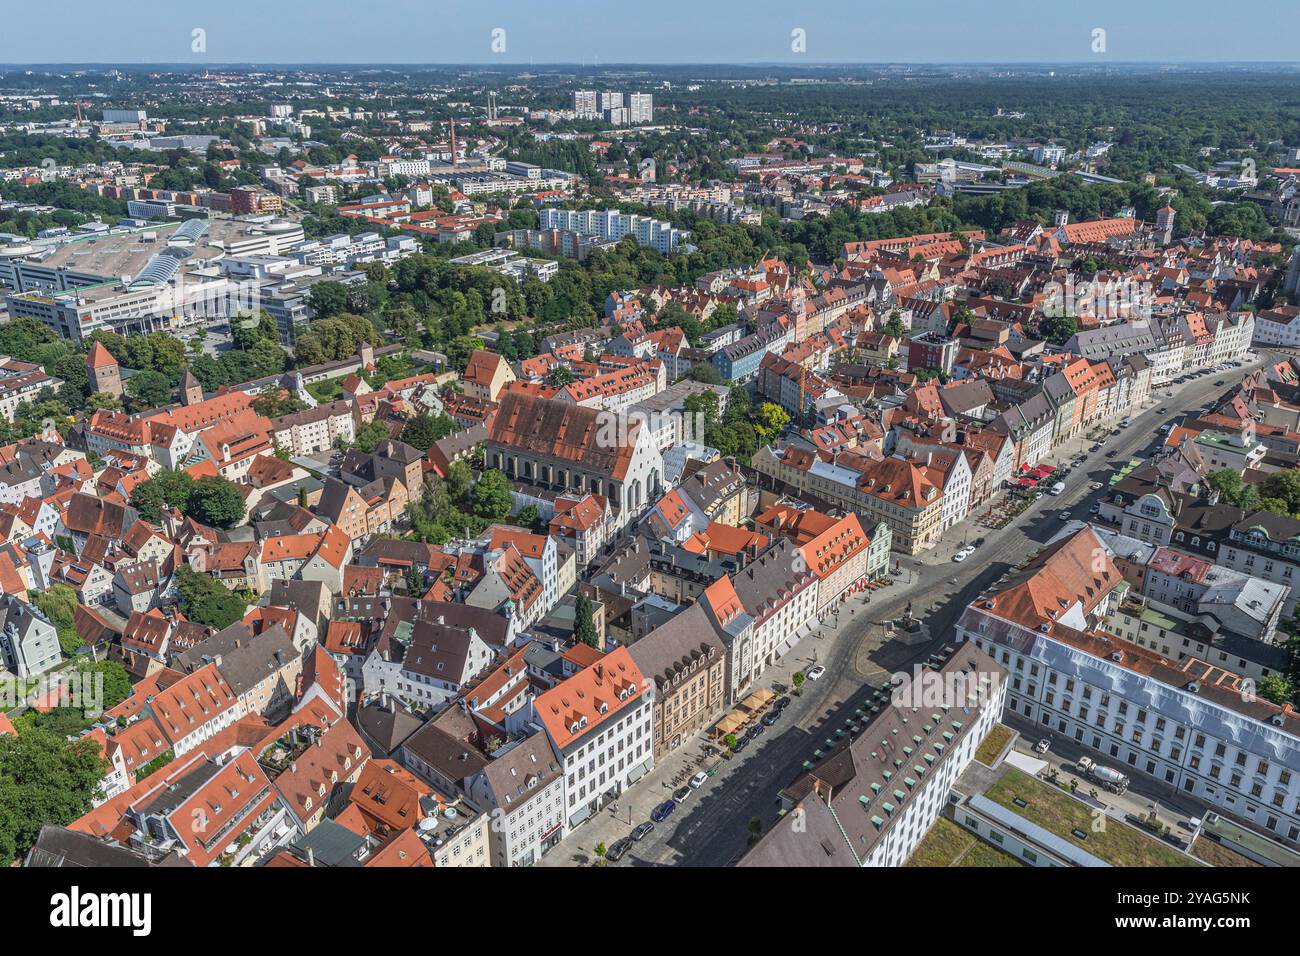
column 816, row 673
column 964, row 553
column 697, row 781
column 1042, row 746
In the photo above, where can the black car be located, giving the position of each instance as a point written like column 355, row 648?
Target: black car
column 1095, row 448
column 758, row 730
column 781, row 703
column 663, row 811
column 643, row 831
column 617, row 849
column 741, row 744
column 771, row 718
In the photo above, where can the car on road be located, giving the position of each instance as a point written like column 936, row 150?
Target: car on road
column 617, row 849
column 1095, row 509
column 697, row 781
column 1065, row 516
column 1161, row 410
column 963, row 554
column 1095, row 448
column 663, row 811
column 641, row 832
column 1094, row 486
column 681, row 793
column 1042, row 746
column 1125, row 423
column 1058, row 488
column 771, row 718
column 1219, row 383
column 817, row 672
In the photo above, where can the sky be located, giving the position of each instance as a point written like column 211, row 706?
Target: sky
column 657, row 31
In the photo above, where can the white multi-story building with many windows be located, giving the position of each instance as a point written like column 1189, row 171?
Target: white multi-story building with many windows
column 612, row 224
column 1193, row 727
column 599, row 722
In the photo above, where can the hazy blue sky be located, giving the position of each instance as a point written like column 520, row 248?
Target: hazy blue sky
column 665, row 31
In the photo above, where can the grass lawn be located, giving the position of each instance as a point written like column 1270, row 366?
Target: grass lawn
column 1057, row 811
column 1216, row 854
column 327, row 390
column 992, row 746
column 947, row 844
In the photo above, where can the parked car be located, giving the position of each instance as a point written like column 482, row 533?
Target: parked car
column 816, row 672
column 663, row 811
column 1058, row 488
column 771, row 717
column 697, row 781
column 960, row 556
column 617, row 849
column 1065, row 516
column 781, row 703
column 1095, row 509
column 641, row 832
column 1095, row 448
column 1042, row 746
column 681, row 793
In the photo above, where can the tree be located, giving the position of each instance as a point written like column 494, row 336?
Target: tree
column 1058, row 329
column 1275, row 688
column 217, row 502
column 167, row 489
column 59, row 604
column 274, row 402
column 327, row 298
column 369, row 435
column 894, row 326
column 530, row 518
column 207, row 601
column 150, row 389
column 422, row 431
column 706, row 373
column 492, row 497
column 104, row 400
column 584, row 627
column 772, row 419
column 1232, row 490
column 43, row 779
column 600, row 852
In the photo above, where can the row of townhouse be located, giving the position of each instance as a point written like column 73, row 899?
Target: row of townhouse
column 904, row 495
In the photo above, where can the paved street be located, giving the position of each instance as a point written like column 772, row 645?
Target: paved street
column 710, row 827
